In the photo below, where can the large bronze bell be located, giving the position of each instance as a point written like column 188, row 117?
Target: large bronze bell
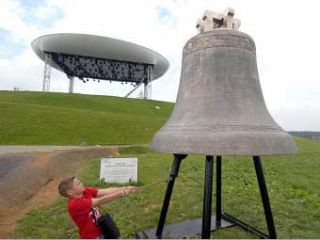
column 220, row 110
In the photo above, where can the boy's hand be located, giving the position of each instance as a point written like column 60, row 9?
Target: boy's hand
column 130, row 189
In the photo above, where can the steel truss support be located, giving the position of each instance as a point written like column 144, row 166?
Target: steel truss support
column 71, row 84
column 147, row 83
column 102, row 68
column 46, row 73
column 135, row 88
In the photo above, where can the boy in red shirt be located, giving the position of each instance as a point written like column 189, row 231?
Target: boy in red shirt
column 83, row 202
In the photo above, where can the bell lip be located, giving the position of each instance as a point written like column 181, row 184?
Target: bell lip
column 223, row 154
column 271, row 144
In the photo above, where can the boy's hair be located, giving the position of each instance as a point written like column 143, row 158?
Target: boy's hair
column 65, row 185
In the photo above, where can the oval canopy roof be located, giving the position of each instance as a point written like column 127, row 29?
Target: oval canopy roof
column 99, row 47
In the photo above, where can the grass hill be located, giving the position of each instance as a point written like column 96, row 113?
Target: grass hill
column 32, row 118
column 306, row 134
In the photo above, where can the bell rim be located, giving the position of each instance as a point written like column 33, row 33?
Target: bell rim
column 225, row 143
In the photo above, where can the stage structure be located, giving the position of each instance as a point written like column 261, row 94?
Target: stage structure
column 90, row 57
column 220, row 111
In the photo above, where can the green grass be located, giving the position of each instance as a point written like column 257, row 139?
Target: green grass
column 37, row 118
column 293, row 184
column 32, row 118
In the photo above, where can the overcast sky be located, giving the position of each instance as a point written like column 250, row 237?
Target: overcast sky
column 286, row 33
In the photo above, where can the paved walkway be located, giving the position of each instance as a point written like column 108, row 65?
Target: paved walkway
column 4, row 149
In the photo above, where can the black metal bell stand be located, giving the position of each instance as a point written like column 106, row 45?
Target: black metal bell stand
column 207, row 199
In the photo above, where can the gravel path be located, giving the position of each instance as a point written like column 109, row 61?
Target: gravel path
column 4, row 149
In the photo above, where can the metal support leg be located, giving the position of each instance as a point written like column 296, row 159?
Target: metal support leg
column 47, row 73
column 71, row 84
column 207, row 199
column 264, row 197
column 218, row 193
column 166, row 201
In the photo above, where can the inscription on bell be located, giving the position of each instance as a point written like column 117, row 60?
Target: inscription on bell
column 214, row 39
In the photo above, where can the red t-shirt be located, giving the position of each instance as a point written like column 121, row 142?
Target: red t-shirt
column 80, row 212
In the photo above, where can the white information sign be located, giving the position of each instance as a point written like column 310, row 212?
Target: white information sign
column 119, row 170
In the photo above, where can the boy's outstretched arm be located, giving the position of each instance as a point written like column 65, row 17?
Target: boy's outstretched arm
column 107, row 191
column 121, row 192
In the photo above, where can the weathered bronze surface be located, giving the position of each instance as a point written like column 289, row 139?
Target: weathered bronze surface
column 220, row 108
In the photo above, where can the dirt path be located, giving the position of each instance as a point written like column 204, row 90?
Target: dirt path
column 29, row 180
